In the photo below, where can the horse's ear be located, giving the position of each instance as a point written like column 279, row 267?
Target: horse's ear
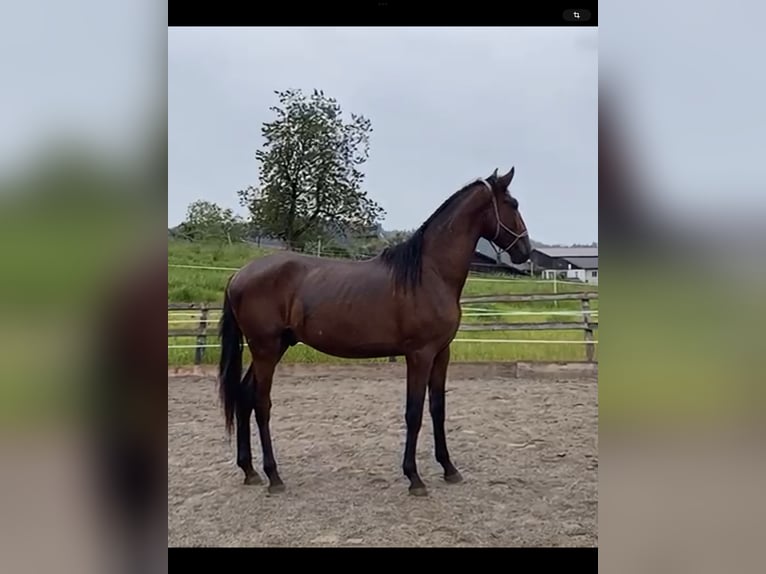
column 494, row 173
column 505, row 180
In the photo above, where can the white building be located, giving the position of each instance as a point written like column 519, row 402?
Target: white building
column 572, row 263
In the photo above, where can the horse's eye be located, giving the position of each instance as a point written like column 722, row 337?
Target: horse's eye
column 514, row 202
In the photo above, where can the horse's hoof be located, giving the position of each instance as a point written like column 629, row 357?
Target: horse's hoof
column 418, row 491
column 252, row 479
column 276, row 488
column 453, row 478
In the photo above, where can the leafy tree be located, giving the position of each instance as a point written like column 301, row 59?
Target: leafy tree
column 207, row 220
column 309, row 176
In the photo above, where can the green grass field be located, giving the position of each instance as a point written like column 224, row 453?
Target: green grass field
column 206, row 285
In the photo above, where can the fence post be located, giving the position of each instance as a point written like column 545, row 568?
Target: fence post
column 199, row 352
column 588, row 329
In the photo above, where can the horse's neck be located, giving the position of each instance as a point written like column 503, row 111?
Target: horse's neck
column 450, row 246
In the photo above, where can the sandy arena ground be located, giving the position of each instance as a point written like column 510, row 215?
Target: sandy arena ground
column 527, row 448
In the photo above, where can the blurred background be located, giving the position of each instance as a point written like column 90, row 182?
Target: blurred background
column 83, row 172
column 682, row 185
column 681, row 206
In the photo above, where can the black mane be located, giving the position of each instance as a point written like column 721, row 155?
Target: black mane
column 405, row 259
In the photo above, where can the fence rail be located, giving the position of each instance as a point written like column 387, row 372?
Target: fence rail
column 526, row 298
column 207, row 326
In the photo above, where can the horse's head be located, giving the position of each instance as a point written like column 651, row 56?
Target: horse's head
column 503, row 224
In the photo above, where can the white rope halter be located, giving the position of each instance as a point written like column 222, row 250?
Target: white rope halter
column 500, row 224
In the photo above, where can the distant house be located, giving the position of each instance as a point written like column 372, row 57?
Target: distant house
column 578, row 263
column 485, row 260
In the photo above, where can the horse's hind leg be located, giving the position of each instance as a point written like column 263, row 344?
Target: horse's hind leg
column 244, row 412
column 265, row 359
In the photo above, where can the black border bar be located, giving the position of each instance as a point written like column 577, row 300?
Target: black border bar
column 382, row 13
column 561, row 559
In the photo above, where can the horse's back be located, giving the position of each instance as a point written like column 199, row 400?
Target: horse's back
column 274, row 271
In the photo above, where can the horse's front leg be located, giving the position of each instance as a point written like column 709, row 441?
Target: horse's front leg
column 436, row 402
column 418, row 371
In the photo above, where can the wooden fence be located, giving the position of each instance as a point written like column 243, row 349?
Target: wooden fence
column 208, row 328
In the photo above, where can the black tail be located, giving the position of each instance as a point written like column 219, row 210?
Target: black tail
column 230, row 366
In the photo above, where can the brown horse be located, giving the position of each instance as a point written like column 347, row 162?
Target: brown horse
column 405, row 301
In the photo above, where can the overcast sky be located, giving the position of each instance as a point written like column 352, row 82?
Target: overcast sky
column 447, row 106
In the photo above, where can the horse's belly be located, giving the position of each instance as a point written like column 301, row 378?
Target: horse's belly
column 350, row 335
column 350, row 349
